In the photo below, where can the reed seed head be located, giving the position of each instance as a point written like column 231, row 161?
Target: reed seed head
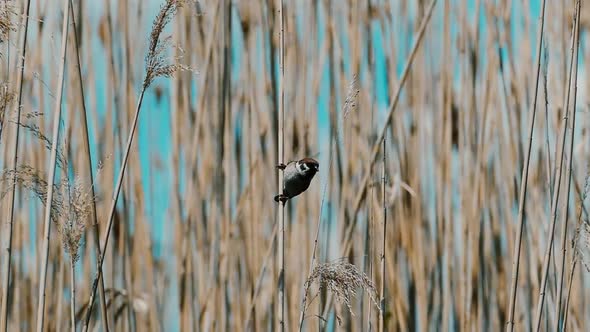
column 343, row 280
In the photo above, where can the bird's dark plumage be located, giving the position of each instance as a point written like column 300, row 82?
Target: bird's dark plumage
column 298, row 176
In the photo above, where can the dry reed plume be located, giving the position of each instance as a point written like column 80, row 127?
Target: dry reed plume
column 343, row 280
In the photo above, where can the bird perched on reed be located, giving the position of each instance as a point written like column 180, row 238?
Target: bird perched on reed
column 298, row 176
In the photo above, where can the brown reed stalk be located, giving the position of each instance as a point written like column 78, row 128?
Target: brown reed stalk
column 383, row 242
column 547, row 123
column 192, row 192
column 281, row 160
column 350, row 105
column 568, row 175
column 569, row 291
column 307, row 285
column 73, row 294
column 391, row 109
column 557, row 185
column 88, row 159
column 8, row 249
column 369, row 252
column 76, row 200
column 259, row 279
column 524, row 182
column 51, row 173
column 446, row 233
column 156, row 66
column 375, row 149
column 575, row 254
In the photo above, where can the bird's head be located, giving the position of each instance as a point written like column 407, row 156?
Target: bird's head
column 308, row 166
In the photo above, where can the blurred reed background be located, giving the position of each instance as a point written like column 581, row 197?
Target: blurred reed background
column 192, row 244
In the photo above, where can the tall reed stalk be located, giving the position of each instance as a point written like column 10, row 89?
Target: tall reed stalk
column 383, row 242
column 312, row 264
column 568, row 174
column 391, row 109
column 346, row 242
column 155, row 67
column 88, row 159
column 281, row 161
column 524, row 182
column 52, row 166
column 556, row 188
column 8, row 249
column 575, row 255
column 73, row 294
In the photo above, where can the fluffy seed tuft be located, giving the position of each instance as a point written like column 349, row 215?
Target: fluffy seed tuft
column 343, row 280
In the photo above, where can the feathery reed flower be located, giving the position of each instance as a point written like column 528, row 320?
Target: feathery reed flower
column 342, row 279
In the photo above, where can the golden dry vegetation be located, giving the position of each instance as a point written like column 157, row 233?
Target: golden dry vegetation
column 421, row 114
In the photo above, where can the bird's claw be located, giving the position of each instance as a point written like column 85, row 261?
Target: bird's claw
column 281, row 198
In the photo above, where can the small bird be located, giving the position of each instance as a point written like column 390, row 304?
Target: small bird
column 298, row 175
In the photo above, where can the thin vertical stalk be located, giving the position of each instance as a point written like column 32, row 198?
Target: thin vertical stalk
column 569, row 292
column 52, row 164
column 112, row 208
column 281, row 157
column 547, row 123
column 382, row 258
column 259, row 280
column 391, row 109
column 555, row 201
column 375, row 149
column 574, row 261
column 314, row 250
column 154, row 68
column 524, row 182
column 88, row 159
column 572, row 80
column 568, row 174
column 73, row 294
column 60, row 298
column 8, row 248
column 369, row 253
